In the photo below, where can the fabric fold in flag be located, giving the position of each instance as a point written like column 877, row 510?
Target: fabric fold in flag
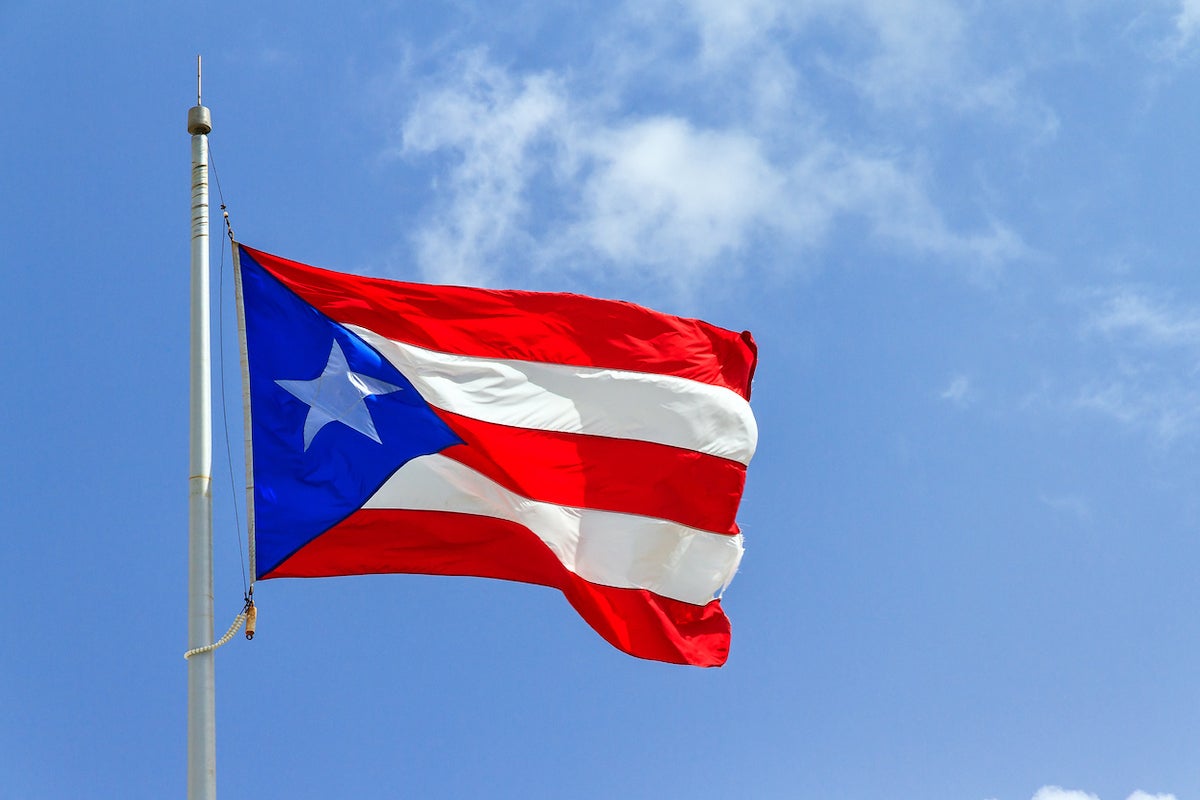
column 589, row 445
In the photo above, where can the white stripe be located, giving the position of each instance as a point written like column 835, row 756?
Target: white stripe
column 603, row 402
column 621, row 550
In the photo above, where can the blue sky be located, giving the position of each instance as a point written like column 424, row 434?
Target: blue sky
column 962, row 233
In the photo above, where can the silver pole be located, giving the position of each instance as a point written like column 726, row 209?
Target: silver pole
column 202, row 747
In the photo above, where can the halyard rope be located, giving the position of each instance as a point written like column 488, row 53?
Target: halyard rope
column 248, row 615
column 237, row 623
column 237, row 517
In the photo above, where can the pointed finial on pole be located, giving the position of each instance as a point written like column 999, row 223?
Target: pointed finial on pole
column 199, row 117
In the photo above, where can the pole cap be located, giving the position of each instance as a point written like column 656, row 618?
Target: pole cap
column 199, row 120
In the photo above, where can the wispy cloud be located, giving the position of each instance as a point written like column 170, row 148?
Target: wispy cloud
column 1059, row 793
column 1186, row 26
column 895, row 51
column 497, row 126
column 904, row 57
column 1187, row 21
column 662, row 190
column 1126, row 312
column 1166, row 32
column 571, row 166
column 919, row 49
column 727, row 30
column 958, row 392
column 1166, row 410
column 532, row 169
column 1152, row 349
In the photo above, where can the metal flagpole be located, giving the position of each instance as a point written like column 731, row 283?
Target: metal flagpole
column 201, row 744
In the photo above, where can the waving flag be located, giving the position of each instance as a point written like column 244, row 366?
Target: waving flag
column 589, row 445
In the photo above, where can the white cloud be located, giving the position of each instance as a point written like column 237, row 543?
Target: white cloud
column 1187, row 22
column 1149, row 363
column 1145, row 400
column 649, row 191
column 1128, row 312
column 663, row 191
column 727, row 29
column 492, row 121
column 958, row 392
column 901, row 55
column 1059, row 793
column 900, row 209
column 920, row 49
column 556, row 168
column 1007, row 96
column 1169, row 29
column 909, row 47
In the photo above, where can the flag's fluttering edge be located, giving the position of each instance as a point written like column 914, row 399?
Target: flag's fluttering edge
column 590, row 445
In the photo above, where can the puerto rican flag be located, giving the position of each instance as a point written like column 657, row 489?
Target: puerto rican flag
column 589, row 445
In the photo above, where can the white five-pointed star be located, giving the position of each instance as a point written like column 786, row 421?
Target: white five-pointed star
column 336, row 395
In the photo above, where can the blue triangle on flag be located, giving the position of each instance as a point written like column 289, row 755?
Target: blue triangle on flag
column 306, row 481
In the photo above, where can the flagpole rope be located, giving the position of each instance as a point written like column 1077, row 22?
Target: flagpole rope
column 247, row 586
column 248, row 615
column 237, row 623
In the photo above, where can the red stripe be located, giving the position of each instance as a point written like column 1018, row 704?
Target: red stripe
column 376, row 541
column 621, row 475
column 529, row 326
